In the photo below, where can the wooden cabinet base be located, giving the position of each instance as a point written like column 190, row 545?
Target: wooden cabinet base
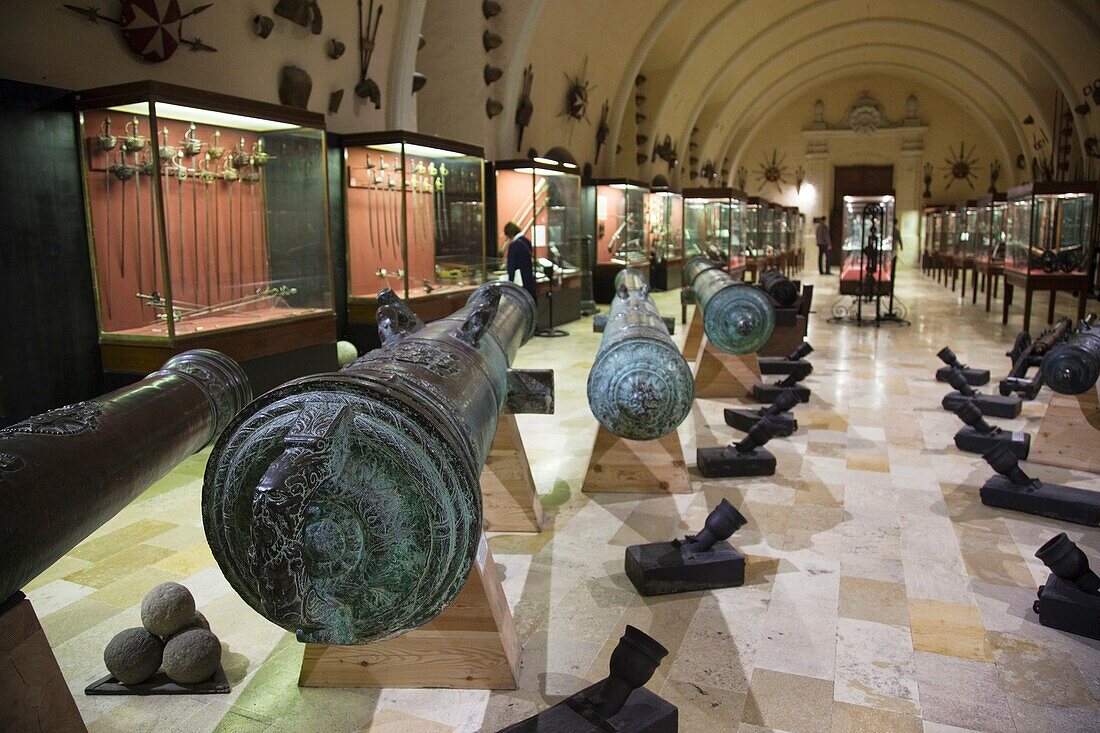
column 472, row 645
column 511, row 502
column 35, row 696
column 619, row 465
column 1069, row 434
column 719, row 375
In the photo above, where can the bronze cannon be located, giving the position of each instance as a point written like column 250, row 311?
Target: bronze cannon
column 67, row 471
column 346, row 506
column 737, row 317
column 640, row 386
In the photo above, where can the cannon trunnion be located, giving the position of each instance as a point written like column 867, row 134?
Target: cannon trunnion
column 346, row 506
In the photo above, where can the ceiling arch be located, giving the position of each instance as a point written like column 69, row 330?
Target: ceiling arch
column 889, row 53
column 760, row 74
column 779, row 28
column 785, row 97
column 626, row 85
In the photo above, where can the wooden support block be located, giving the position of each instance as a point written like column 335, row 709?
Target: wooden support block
column 472, row 645
column 510, row 500
column 718, row 374
column 1069, row 434
column 35, row 696
column 694, row 336
column 619, row 465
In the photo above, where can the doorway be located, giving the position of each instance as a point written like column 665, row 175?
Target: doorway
column 854, row 180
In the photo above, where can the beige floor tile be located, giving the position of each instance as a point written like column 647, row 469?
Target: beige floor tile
column 873, row 600
column 100, row 547
column 848, row 718
column 789, row 702
column 118, row 566
column 950, row 629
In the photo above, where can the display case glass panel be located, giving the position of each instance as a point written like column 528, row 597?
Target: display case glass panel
column 665, row 225
column 543, row 198
column 205, row 212
column 990, row 238
column 415, row 214
column 966, row 233
column 1049, row 227
column 755, row 226
column 949, row 219
column 620, row 224
column 714, row 225
column 860, row 229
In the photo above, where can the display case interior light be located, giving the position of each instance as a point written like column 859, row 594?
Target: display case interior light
column 551, row 161
column 626, row 187
column 542, row 171
column 601, row 208
column 423, row 151
column 665, row 194
column 183, row 113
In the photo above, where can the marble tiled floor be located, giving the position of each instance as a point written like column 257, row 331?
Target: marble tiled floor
column 881, row 594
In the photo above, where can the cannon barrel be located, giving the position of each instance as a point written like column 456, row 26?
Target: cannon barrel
column 346, row 506
column 780, row 287
column 1073, row 366
column 64, row 473
column 640, row 386
column 737, row 317
column 631, row 278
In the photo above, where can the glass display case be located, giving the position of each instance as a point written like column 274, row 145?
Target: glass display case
column 755, row 226
column 415, row 221
column 989, row 246
column 966, row 232
column 868, row 244
column 1049, row 227
column 543, row 198
column 949, row 228
column 664, row 224
column 206, row 214
column 714, row 225
column 615, row 214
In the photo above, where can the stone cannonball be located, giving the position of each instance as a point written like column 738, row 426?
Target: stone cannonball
column 192, row 656
column 133, row 656
column 346, row 352
column 167, row 608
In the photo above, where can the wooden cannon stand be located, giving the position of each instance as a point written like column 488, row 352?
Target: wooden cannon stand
column 35, row 696
column 718, row 374
column 472, row 645
column 1069, row 433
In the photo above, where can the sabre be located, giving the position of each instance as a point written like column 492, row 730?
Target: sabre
column 181, row 174
column 444, row 214
column 211, row 252
column 123, row 172
column 395, row 209
column 195, row 235
column 229, row 175
column 107, row 143
column 217, row 230
column 137, row 213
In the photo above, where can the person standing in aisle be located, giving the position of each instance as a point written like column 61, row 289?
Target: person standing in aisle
column 520, row 256
column 824, row 241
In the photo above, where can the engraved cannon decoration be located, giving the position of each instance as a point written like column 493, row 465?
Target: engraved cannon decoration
column 640, row 386
column 64, row 473
column 1073, row 366
column 346, row 506
column 737, row 317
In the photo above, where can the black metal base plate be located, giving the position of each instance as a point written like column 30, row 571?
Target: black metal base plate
column 767, row 393
column 670, row 567
column 1062, row 606
column 644, row 712
column 974, row 377
column 744, row 420
column 970, row 440
column 727, row 462
column 782, row 365
column 1066, row 503
column 990, row 405
column 159, row 684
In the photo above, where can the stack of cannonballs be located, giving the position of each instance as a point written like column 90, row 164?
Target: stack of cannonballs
column 173, row 637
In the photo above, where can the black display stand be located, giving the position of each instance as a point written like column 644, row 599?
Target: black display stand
column 550, row 331
column 644, row 712
column 675, row 567
column 1062, row 606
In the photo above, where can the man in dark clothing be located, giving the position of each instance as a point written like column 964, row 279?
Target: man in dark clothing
column 520, row 257
column 824, row 241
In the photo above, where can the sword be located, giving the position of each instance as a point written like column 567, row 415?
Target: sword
column 195, row 235
column 137, row 214
column 107, row 249
column 211, row 252
column 181, row 174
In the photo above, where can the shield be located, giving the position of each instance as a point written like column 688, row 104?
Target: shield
column 151, row 28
